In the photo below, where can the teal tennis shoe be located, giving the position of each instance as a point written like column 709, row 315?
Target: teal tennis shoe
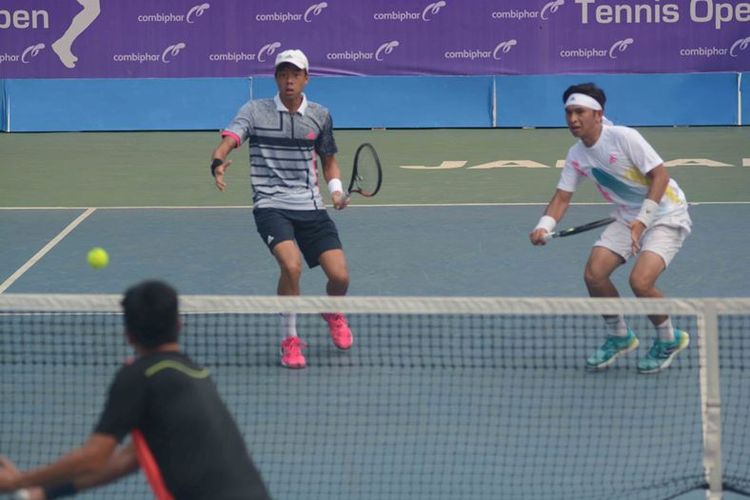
column 662, row 353
column 612, row 349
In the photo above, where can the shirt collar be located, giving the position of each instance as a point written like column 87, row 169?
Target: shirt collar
column 280, row 105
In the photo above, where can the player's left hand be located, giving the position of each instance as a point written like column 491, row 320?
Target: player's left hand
column 636, row 232
column 8, row 475
column 340, row 201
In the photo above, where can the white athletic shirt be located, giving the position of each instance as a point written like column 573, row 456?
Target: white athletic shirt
column 618, row 164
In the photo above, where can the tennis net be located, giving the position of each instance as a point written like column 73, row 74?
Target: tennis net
column 439, row 398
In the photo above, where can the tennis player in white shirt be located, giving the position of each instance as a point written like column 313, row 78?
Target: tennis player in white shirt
column 651, row 213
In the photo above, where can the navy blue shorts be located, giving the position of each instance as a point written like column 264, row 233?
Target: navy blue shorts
column 313, row 230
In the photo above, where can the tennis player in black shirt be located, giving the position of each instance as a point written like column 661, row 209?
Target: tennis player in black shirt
column 183, row 436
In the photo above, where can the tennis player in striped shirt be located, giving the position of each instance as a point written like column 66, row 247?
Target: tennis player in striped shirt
column 286, row 135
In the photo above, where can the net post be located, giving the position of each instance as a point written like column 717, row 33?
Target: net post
column 708, row 322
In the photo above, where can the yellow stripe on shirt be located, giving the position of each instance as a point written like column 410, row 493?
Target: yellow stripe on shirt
column 635, row 175
column 176, row 365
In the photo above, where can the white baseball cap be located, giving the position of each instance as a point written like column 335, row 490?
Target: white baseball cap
column 293, row 56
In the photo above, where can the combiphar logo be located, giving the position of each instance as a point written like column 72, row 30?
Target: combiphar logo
column 500, row 50
column 170, row 17
column 31, row 52
column 613, row 52
column 165, row 57
column 265, row 53
column 26, row 56
column 171, row 52
column 308, row 16
column 738, row 48
column 426, row 15
column 358, row 55
column 523, row 14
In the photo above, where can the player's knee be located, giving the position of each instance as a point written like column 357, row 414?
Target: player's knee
column 339, row 279
column 641, row 285
column 593, row 277
column 291, row 269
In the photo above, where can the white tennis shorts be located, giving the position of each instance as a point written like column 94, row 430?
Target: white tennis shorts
column 664, row 241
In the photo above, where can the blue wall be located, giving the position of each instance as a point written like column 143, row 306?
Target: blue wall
column 644, row 100
column 123, row 104
column 370, row 102
column 398, row 101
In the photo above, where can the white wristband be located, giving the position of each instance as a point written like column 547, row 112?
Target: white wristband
column 547, row 223
column 21, row 495
column 335, row 185
column 648, row 212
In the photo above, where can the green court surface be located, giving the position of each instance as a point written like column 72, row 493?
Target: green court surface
column 711, row 164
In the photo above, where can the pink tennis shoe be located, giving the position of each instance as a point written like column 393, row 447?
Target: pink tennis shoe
column 340, row 332
column 291, row 353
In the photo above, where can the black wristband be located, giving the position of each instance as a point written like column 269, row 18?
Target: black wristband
column 215, row 164
column 60, row 490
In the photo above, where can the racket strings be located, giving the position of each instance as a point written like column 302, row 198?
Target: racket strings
column 367, row 172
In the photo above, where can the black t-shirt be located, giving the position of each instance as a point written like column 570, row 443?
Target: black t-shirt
column 194, row 439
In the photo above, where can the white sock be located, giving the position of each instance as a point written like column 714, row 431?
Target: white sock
column 288, row 325
column 666, row 331
column 617, row 325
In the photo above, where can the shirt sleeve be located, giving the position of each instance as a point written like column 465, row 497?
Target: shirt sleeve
column 240, row 127
column 570, row 177
column 125, row 404
column 641, row 153
column 325, row 144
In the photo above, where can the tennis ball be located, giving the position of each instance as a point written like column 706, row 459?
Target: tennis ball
column 98, row 258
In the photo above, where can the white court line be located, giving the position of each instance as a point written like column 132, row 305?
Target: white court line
column 49, row 246
column 393, row 205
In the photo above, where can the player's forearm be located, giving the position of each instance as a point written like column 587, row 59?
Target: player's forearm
column 122, row 463
column 73, row 464
column 331, row 168
column 659, row 182
column 91, row 458
column 224, row 148
column 558, row 205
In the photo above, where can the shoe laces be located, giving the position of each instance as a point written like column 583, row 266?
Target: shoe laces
column 293, row 345
column 612, row 343
column 660, row 349
column 337, row 320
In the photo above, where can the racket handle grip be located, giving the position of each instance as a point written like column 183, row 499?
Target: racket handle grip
column 549, row 236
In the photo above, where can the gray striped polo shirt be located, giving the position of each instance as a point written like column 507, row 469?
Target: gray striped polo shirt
column 283, row 151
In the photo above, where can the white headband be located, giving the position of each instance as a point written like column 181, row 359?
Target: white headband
column 583, row 100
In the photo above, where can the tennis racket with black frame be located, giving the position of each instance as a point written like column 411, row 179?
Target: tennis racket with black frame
column 579, row 229
column 367, row 172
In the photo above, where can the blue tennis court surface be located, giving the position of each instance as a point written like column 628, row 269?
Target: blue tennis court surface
column 391, row 382
column 419, row 250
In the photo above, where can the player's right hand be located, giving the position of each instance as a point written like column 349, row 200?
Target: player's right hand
column 340, row 201
column 538, row 236
column 219, row 175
